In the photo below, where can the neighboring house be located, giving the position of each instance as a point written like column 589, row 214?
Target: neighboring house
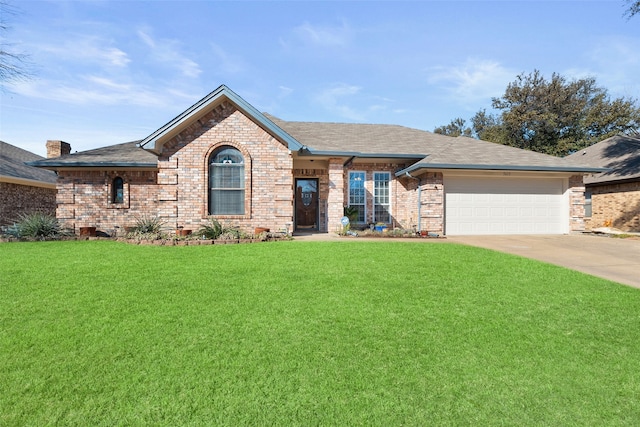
column 225, row 159
column 613, row 197
column 24, row 189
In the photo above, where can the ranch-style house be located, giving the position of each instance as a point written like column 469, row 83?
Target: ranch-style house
column 223, row 158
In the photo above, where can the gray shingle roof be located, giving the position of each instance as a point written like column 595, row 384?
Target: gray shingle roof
column 119, row 155
column 619, row 153
column 12, row 164
column 438, row 151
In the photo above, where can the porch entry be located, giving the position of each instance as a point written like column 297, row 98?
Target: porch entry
column 306, row 204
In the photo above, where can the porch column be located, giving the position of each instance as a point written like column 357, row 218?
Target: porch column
column 576, row 204
column 432, row 209
column 335, row 199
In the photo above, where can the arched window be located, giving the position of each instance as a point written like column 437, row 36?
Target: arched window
column 117, row 190
column 226, row 182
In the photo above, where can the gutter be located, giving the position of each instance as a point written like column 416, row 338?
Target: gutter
column 575, row 169
column 47, row 165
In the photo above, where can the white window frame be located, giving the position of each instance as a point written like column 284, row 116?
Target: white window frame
column 213, row 209
column 376, row 196
column 362, row 207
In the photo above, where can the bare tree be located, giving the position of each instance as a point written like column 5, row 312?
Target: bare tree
column 633, row 8
column 14, row 65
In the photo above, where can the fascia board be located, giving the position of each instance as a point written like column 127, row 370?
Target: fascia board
column 575, row 169
column 27, row 182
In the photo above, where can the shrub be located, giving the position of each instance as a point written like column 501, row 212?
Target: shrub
column 211, row 230
column 36, row 226
column 148, row 225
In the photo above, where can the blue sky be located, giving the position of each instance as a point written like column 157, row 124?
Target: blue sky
column 108, row 72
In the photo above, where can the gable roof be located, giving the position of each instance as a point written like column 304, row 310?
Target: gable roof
column 435, row 151
column 200, row 108
column 620, row 154
column 127, row 155
column 429, row 150
column 14, row 169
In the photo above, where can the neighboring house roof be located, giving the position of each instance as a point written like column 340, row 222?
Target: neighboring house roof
column 13, row 167
column 127, row 155
column 620, row 154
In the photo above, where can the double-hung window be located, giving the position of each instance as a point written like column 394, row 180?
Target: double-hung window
column 226, row 182
column 357, row 194
column 381, row 197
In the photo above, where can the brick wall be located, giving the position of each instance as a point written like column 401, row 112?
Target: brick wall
column 616, row 205
column 183, row 172
column 84, row 199
column 17, row 199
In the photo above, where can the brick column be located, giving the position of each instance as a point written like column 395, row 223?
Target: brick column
column 335, row 199
column 432, row 203
column 576, row 203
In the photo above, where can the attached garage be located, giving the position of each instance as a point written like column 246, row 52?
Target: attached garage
column 505, row 205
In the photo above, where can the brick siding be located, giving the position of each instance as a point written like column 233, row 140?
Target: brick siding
column 615, row 205
column 17, row 199
column 178, row 191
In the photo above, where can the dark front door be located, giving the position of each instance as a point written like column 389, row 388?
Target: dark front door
column 306, row 204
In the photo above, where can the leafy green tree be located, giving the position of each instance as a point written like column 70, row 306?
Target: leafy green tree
column 555, row 116
column 457, row 127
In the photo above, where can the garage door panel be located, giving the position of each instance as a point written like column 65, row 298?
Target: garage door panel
column 504, row 206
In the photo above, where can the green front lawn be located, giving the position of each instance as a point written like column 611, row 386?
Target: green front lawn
column 310, row 333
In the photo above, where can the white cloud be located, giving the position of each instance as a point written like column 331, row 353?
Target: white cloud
column 86, row 49
column 472, row 82
column 93, row 90
column 330, row 36
column 225, row 62
column 284, row 91
column 335, row 99
column 616, row 65
column 167, row 52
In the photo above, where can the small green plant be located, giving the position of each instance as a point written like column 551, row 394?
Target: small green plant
column 36, row 226
column 211, row 230
column 148, row 225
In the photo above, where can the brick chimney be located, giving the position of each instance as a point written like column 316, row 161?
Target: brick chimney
column 57, row 148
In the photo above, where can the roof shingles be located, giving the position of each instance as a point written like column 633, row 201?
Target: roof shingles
column 12, row 164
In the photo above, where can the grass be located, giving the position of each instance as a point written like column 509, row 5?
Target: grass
column 310, row 333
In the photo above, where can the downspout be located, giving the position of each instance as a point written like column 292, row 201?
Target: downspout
column 419, row 199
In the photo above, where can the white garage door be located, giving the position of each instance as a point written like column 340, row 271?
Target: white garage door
column 478, row 205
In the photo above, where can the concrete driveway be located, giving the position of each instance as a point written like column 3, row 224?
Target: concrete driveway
column 613, row 259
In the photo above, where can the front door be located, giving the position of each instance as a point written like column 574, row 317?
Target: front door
column 306, row 204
